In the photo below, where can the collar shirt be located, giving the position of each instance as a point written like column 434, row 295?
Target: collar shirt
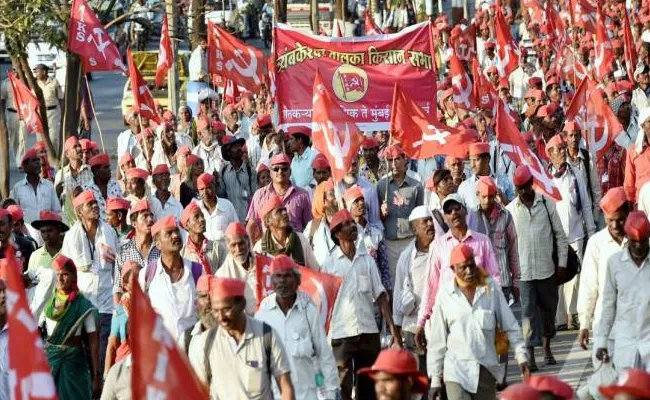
column 402, row 199
column 467, row 189
column 426, row 167
column 95, row 274
column 174, row 302
column 637, row 169
column 198, row 64
column 171, row 207
column 214, row 251
column 112, row 190
column 370, row 196
column 4, row 364
column 117, row 385
column 307, row 250
column 301, row 171
column 296, row 201
column 211, row 157
column 128, row 251
column 254, row 150
column 240, row 370
column 33, row 202
column 232, row 269
column 126, row 143
column 410, row 277
column 535, row 237
column 218, row 220
column 440, row 272
column 600, row 248
column 305, row 341
column 70, row 182
column 159, row 157
column 52, row 92
column 500, row 228
column 519, row 80
column 625, row 283
column 462, row 335
column 639, row 98
column 504, row 167
column 41, row 273
column 590, row 178
column 196, row 331
column 321, row 240
column 354, row 308
column 238, row 186
column 575, row 206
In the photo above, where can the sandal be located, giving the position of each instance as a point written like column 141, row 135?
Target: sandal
column 549, row 359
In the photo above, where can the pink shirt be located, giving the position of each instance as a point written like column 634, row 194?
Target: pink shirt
column 440, row 270
column 296, row 200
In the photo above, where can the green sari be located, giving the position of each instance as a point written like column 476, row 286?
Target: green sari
column 69, row 364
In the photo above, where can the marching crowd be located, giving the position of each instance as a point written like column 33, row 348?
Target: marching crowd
column 431, row 254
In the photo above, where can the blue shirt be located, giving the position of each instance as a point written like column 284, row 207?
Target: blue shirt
column 118, row 324
column 301, row 171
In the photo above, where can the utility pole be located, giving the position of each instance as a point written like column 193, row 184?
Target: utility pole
column 171, row 9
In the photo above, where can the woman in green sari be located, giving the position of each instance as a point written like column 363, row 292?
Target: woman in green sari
column 71, row 324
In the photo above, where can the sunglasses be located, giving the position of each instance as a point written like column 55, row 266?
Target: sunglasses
column 280, row 169
column 452, row 207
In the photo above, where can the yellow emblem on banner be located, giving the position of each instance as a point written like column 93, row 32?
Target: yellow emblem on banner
column 350, row 83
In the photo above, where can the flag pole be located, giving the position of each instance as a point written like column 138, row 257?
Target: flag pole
column 144, row 140
column 390, row 135
column 92, row 107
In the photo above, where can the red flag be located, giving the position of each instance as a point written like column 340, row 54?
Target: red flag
column 142, row 97
column 233, row 59
column 534, row 5
column 88, row 38
column 160, row 369
column 484, row 92
column 29, row 372
column 584, row 15
column 323, row 288
column 513, row 144
column 464, row 45
column 507, row 50
column 461, row 84
column 165, row 54
column 371, row 28
column 595, row 118
column 604, row 50
column 334, row 134
column 231, row 92
column 568, row 66
column 629, row 47
column 26, row 104
column 421, row 135
column 556, row 27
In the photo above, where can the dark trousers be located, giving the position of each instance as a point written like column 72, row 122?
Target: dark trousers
column 353, row 353
column 538, row 307
column 104, row 332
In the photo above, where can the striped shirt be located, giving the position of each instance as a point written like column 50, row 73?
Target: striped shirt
column 439, row 266
column 500, row 228
column 296, row 200
column 238, row 187
column 129, row 252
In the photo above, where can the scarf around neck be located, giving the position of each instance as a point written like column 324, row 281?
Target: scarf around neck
column 293, row 248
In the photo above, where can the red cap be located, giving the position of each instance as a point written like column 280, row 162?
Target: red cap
column 191, row 159
column 534, row 93
column 6, row 264
column 339, row 218
column 637, row 227
column 490, row 44
column 271, row 204
column 548, row 110
column 237, row 229
column 460, row 254
column 218, row 126
column 549, row 383
column 29, row 154
column 485, row 186
column 47, row 215
column 71, row 142
column 203, row 124
column 140, row 205
column 99, row 160
column 165, row 223
column 148, row 132
column 519, row 391
column 137, row 173
column 204, row 282
column 222, row 288
column 552, row 81
column 492, row 70
column 282, row 263
column 182, row 151
column 84, row 197
column 401, row 363
column 613, row 200
column 320, row 162
column 534, row 81
column 263, row 167
column 446, row 94
column 522, row 175
column 280, row 159
column 204, row 180
column 369, row 142
column 393, row 151
column 352, row 194
column 85, row 144
column 189, row 211
column 127, row 267
column 16, row 212
column 126, row 158
column 160, row 169
column 476, row 149
column 263, row 120
column 60, row 261
column 555, row 141
column 117, row 203
column 299, row 130
column 570, row 126
column 168, row 116
column 635, row 382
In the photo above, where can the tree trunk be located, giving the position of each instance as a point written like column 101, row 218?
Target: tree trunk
column 313, row 14
column 72, row 101
column 4, row 156
column 197, row 9
column 280, row 7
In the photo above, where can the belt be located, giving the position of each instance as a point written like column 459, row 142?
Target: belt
column 51, row 107
column 13, row 110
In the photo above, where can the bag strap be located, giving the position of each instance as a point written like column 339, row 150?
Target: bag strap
column 267, row 339
column 187, row 336
column 149, row 274
column 550, row 221
column 209, row 342
column 585, row 164
column 197, row 271
column 440, row 220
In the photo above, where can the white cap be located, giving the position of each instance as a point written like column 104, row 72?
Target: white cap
column 619, row 73
column 640, row 70
column 452, row 197
column 205, row 94
column 419, row 212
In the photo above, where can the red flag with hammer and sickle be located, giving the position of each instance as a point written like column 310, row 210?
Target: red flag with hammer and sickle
column 142, row 96
column 507, row 50
column 604, row 50
column 165, row 54
column 26, row 104
column 461, row 84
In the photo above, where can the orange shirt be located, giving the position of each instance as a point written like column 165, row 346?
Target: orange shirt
column 637, row 170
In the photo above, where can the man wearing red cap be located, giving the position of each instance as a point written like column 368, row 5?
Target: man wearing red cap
column 198, row 248
column 369, row 189
column 353, row 330
column 117, row 210
column 295, row 317
column 33, row 193
column 321, row 171
column 218, row 212
column 259, row 148
column 91, row 244
column 624, row 294
column 162, row 201
column 238, row 180
column 75, row 174
column 633, row 384
column 467, row 348
column 208, row 148
column 206, row 319
column 396, row 375
column 600, row 248
column 296, row 200
column 637, row 161
column 102, row 185
column 303, row 155
column 136, row 185
column 371, row 168
column 241, row 356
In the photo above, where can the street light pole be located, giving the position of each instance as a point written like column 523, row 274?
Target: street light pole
column 171, row 9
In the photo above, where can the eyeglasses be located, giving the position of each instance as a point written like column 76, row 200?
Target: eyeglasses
column 452, row 207
column 280, row 169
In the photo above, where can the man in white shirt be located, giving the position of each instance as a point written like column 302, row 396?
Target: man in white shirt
column 126, row 142
column 462, row 350
column 247, row 106
column 76, row 173
column 626, row 280
column 208, row 148
column 198, row 73
column 33, row 193
column 353, row 330
column 53, row 96
column 162, row 202
column 600, row 248
column 296, row 319
column 91, row 244
column 642, row 92
column 218, row 212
